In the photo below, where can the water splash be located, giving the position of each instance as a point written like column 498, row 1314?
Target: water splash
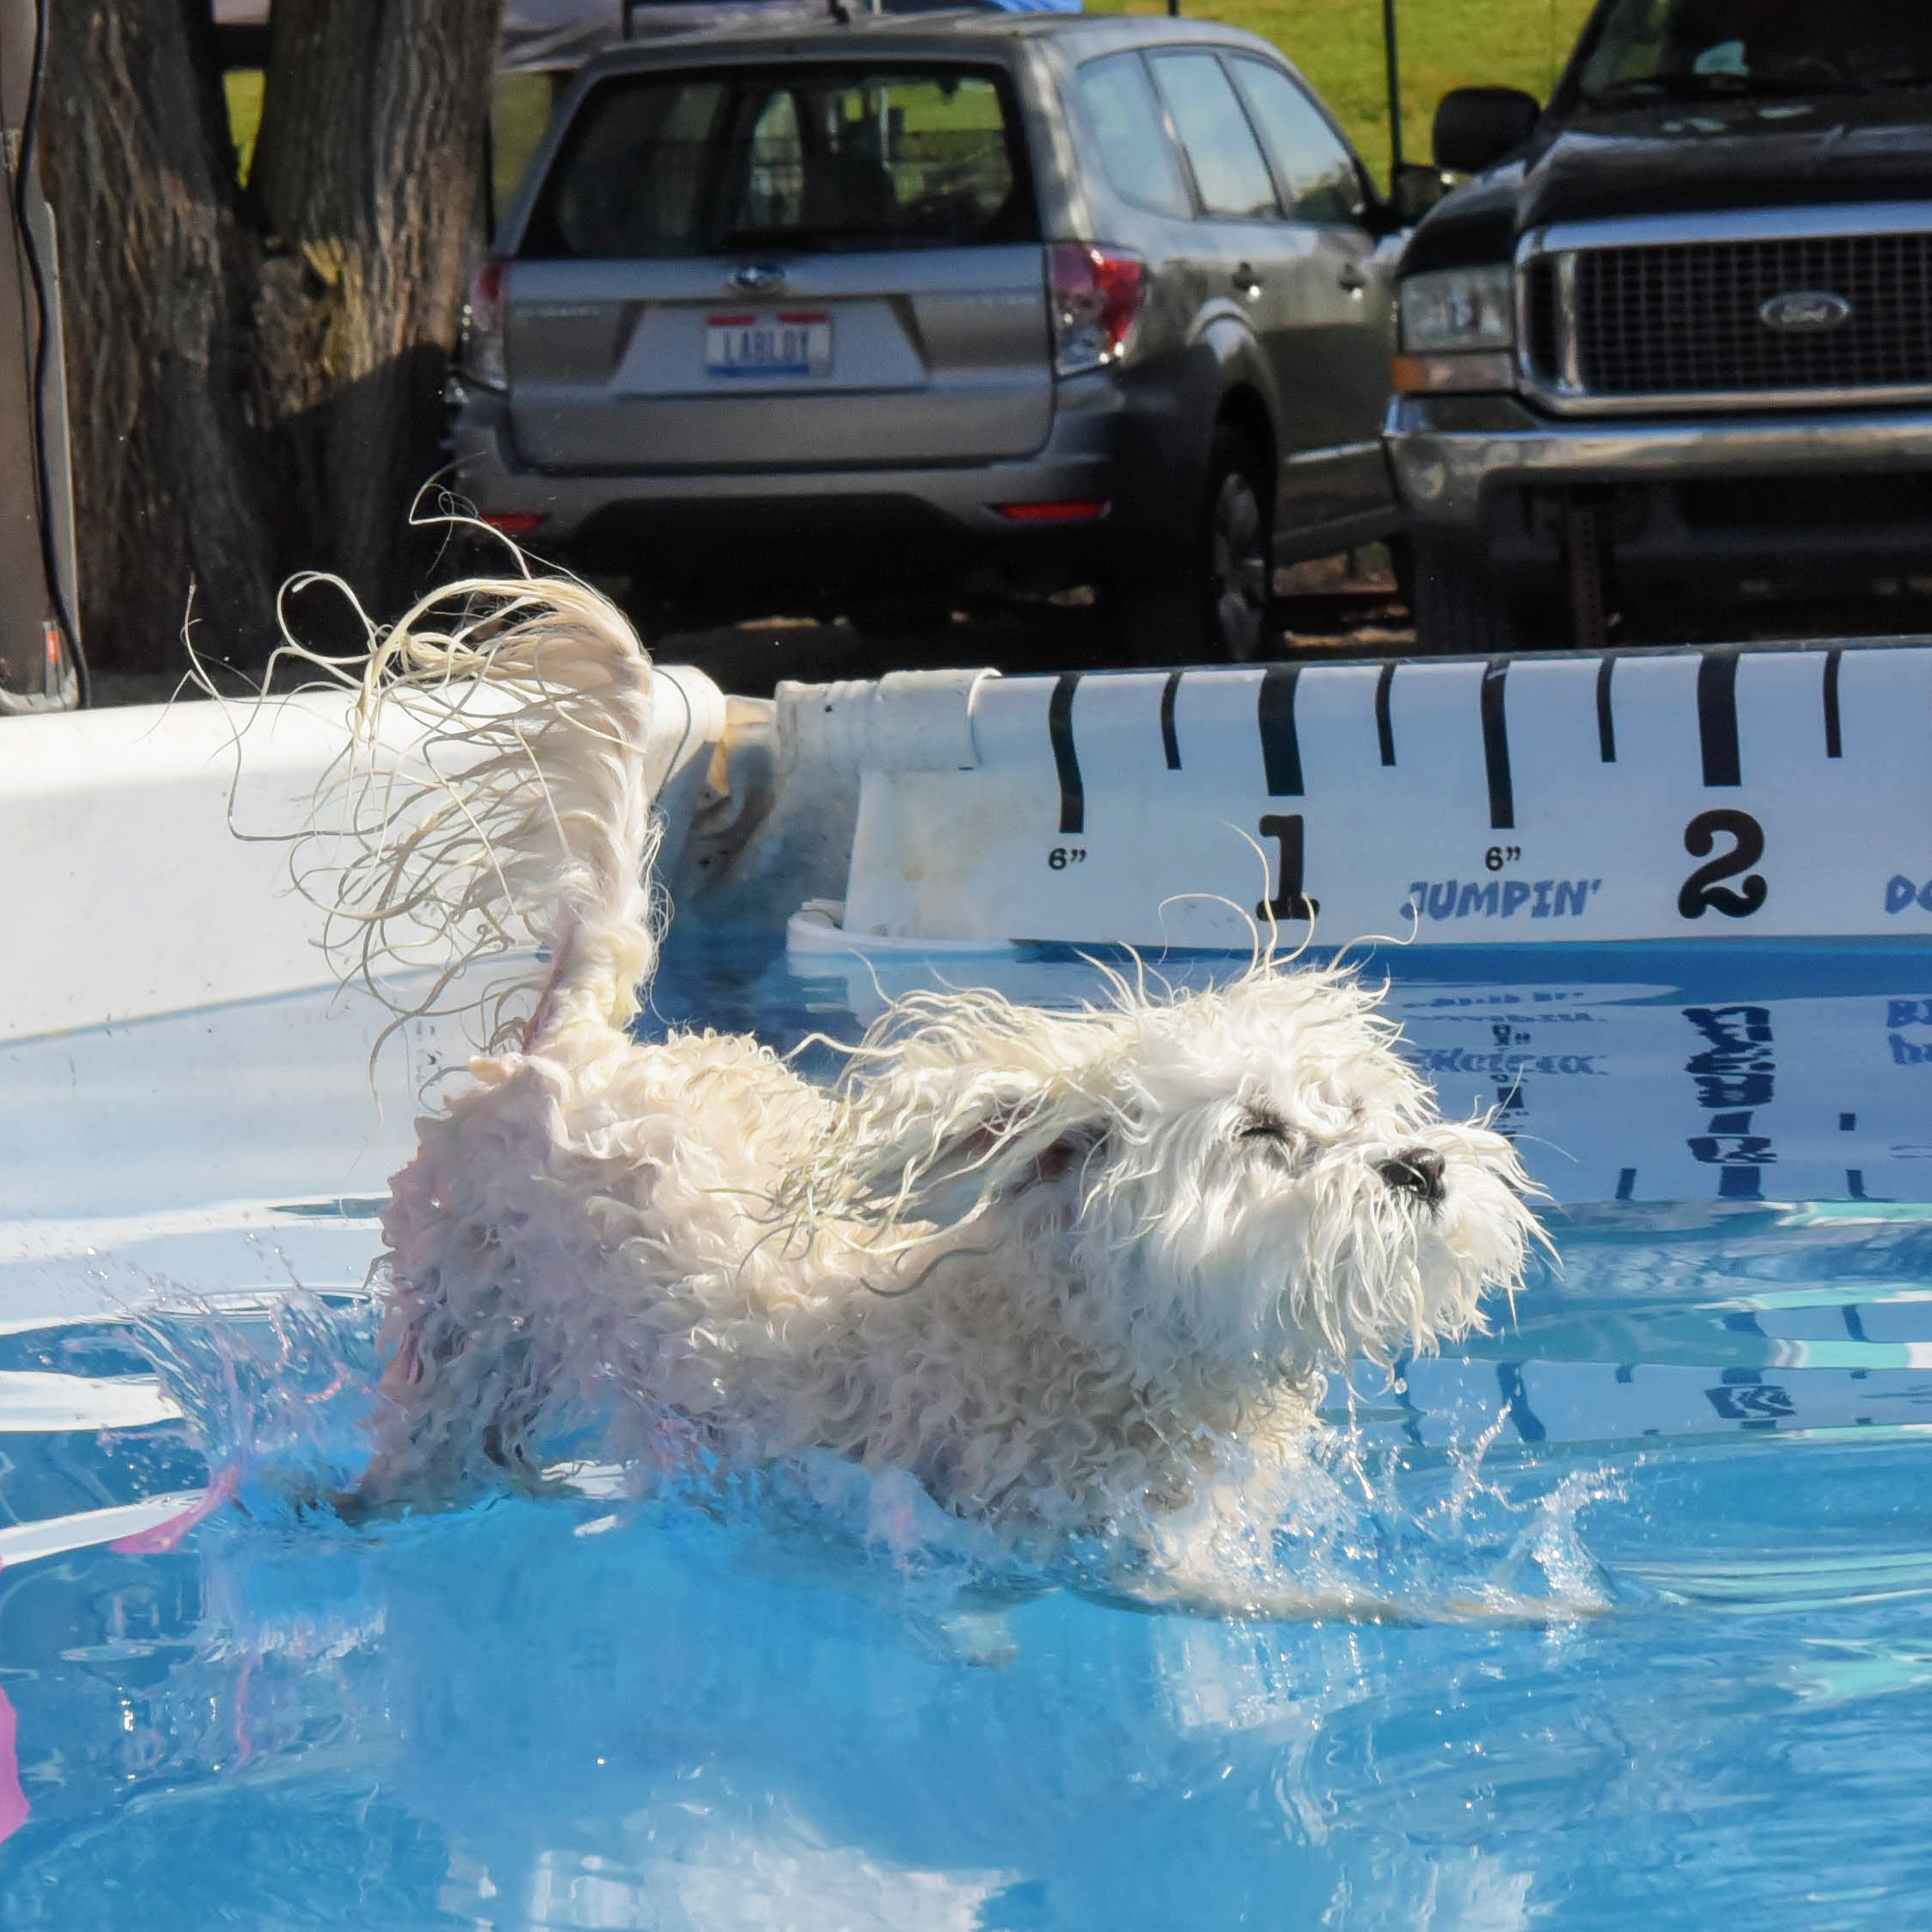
column 1348, row 1530
column 276, row 1396
column 277, row 1401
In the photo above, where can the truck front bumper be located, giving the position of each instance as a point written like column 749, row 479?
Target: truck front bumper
column 1834, row 501
column 1448, row 452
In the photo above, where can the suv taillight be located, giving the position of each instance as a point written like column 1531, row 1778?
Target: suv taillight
column 1096, row 293
column 481, row 353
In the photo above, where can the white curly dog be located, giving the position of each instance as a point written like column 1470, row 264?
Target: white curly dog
column 1044, row 1261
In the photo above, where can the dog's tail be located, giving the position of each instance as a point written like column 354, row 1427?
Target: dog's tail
column 524, row 816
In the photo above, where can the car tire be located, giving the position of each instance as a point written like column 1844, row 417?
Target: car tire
column 1458, row 611
column 1210, row 605
column 1237, row 565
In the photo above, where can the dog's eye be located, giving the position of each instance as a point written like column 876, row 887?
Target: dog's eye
column 1260, row 1126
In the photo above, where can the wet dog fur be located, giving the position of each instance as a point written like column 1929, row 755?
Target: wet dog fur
column 1045, row 1261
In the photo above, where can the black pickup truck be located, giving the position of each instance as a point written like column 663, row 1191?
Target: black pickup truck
column 1669, row 351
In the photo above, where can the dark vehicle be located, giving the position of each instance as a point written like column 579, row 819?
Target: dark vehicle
column 873, row 317
column 1671, row 348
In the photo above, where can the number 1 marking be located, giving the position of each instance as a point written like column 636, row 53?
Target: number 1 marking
column 1289, row 902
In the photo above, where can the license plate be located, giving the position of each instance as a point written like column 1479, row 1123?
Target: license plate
column 792, row 342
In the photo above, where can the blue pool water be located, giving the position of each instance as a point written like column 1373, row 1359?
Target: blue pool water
column 1641, row 1632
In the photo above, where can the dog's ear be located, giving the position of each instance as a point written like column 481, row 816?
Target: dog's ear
column 955, row 1098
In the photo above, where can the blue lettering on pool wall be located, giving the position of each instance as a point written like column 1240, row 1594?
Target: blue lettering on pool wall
column 1502, row 1066
column 1901, row 892
column 1906, row 1054
column 1445, row 899
column 1734, row 1075
column 1908, row 1012
column 1759, row 1404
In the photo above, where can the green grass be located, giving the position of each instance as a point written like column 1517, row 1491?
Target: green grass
column 1443, row 44
column 520, row 109
column 243, row 86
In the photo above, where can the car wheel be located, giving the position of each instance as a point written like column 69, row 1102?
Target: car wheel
column 1210, row 603
column 1237, row 563
column 1458, row 612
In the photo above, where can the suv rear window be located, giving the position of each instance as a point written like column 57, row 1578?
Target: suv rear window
column 805, row 157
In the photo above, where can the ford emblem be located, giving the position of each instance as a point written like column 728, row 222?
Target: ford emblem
column 760, row 278
column 1808, row 311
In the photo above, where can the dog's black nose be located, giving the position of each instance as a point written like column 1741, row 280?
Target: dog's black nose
column 1415, row 1170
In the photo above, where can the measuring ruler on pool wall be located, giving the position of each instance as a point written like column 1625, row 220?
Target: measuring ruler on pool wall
column 1713, row 793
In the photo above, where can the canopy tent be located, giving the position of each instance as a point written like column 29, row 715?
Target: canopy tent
column 553, row 33
column 544, row 35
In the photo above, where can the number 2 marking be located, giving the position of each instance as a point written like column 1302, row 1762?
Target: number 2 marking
column 1702, row 890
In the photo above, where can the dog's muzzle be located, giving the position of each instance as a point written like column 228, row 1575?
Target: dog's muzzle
column 1415, row 1170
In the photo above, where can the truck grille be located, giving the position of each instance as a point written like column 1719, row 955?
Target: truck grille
column 1682, row 320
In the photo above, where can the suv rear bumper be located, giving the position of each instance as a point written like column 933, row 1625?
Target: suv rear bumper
column 776, row 531
column 1833, row 491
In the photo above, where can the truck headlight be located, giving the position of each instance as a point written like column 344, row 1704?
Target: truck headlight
column 1459, row 309
column 1458, row 329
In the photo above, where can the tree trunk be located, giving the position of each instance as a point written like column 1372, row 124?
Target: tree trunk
column 366, row 177
column 256, row 379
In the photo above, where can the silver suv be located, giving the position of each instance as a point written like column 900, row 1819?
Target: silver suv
column 875, row 317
